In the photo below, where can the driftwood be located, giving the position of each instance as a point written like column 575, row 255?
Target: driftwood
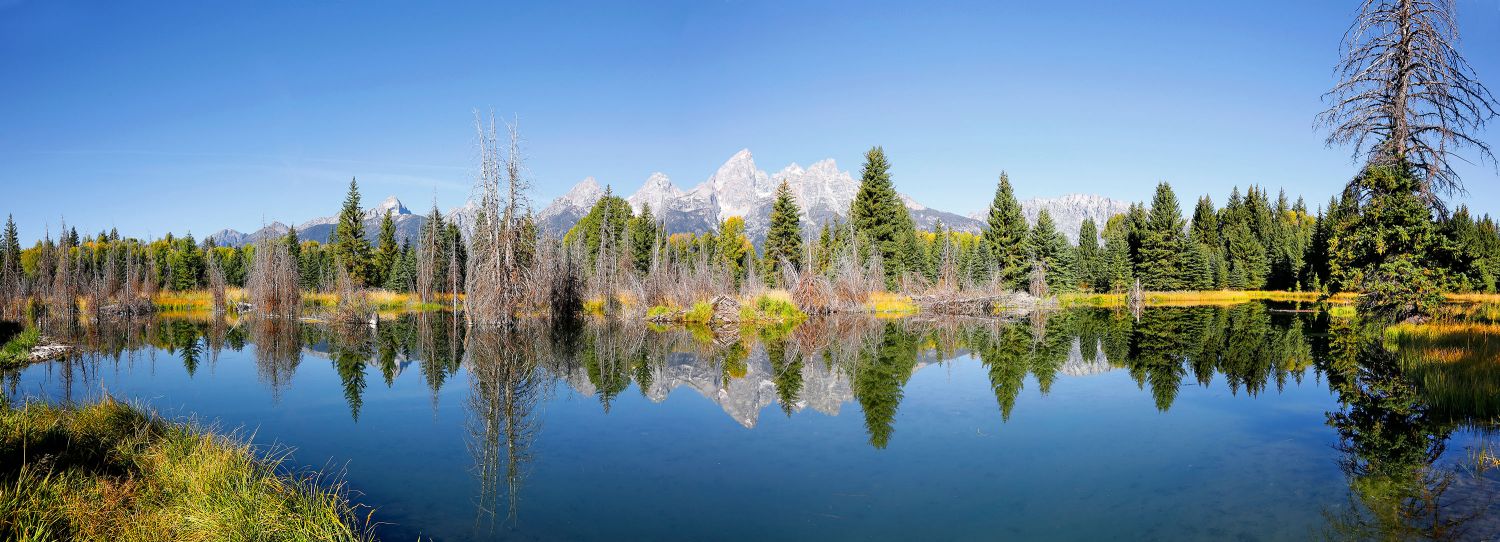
column 977, row 305
column 47, row 349
column 726, row 310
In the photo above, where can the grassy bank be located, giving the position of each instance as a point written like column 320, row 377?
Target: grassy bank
column 110, row 472
column 379, row 300
column 1195, row 298
column 17, row 351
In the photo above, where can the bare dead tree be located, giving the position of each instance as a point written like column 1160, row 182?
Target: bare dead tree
column 429, row 255
column 217, row 284
column 272, row 283
column 1406, row 94
column 496, row 280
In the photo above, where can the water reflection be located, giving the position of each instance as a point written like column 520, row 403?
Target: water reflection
column 1393, row 449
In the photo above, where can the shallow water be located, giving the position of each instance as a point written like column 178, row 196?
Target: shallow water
column 1193, row 423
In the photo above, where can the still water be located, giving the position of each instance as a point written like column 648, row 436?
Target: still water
column 1207, row 423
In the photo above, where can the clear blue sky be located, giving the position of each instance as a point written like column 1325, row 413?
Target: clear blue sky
column 164, row 116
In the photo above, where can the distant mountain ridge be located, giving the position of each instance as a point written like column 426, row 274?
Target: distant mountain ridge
column 736, row 188
column 408, row 226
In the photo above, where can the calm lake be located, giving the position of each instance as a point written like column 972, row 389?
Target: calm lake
column 1249, row 422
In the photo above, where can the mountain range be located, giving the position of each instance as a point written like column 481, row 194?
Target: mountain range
column 736, row 188
column 822, row 190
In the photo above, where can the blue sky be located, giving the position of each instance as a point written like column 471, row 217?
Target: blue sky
column 164, row 116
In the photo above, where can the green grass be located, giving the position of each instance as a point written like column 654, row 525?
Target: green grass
column 17, row 351
column 767, row 309
column 701, row 313
column 107, row 471
column 660, row 311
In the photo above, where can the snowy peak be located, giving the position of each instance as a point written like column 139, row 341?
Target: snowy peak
column 390, row 204
column 658, row 192
column 738, row 186
column 585, row 193
column 566, row 210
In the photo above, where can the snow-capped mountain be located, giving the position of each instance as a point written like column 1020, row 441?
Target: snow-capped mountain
column 570, row 207
column 739, row 188
column 736, row 188
column 1069, row 211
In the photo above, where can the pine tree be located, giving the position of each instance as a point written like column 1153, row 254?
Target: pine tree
column 878, row 215
column 1088, row 259
column 10, row 261
column 1246, row 258
column 1006, row 238
column 403, row 275
column 293, row 245
column 1205, row 226
column 610, row 216
column 784, row 240
column 1389, row 246
column 1198, row 267
column 387, row 252
column 643, row 233
column 1117, row 267
column 349, row 245
column 1162, row 243
column 1051, row 250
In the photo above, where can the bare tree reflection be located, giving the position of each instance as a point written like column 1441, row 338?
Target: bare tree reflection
column 278, row 351
column 507, row 384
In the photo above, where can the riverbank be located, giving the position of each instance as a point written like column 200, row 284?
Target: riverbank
column 107, row 471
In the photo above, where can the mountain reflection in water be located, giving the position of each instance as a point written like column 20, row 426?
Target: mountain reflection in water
column 1392, row 451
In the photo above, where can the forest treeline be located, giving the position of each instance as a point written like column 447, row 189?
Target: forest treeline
column 1253, row 242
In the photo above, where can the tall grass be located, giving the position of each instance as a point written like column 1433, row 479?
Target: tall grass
column 107, row 471
column 1456, row 363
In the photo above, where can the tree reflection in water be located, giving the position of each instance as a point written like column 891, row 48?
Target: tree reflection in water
column 1402, row 484
column 507, row 384
column 1392, row 446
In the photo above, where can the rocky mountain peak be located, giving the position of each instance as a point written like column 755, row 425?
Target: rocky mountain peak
column 658, row 192
column 391, row 204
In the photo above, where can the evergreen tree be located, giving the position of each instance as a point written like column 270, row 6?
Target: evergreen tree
column 1198, row 267
column 403, row 275
column 878, row 215
column 1162, row 243
column 187, row 264
column 1050, row 248
column 643, row 233
column 1117, row 268
column 1388, row 247
column 1205, row 225
column 784, row 240
column 1006, row 238
column 387, row 252
column 1088, row 259
column 592, row 228
column 293, row 246
column 1246, row 258
column 10, row 257
column 349, row 245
